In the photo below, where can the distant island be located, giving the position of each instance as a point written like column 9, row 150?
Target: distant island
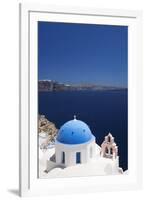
column 50, row 85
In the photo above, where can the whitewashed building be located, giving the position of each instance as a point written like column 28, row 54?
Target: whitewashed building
column 76, row 153
column 75, row 144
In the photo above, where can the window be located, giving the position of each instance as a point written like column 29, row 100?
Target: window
column 78, row 157
column 106, row 150
column 111, row 151
column 109, row 139
column 63, row 157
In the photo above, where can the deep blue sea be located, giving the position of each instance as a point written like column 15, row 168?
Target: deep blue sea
column 103, row 111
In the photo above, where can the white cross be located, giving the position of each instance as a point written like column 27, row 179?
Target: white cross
column 74, row 117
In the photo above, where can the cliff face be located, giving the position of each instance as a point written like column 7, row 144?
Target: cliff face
column 49, row 85
column 53, row 86
column 47, row 127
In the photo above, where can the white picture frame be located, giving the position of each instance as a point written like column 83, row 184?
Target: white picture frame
column 29, row 183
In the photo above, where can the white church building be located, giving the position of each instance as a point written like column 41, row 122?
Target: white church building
column 75, row 144
column 76, row 150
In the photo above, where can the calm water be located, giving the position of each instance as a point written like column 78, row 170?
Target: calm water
column 103, row 111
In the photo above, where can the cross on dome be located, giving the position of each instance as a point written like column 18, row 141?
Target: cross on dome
column 75, row 117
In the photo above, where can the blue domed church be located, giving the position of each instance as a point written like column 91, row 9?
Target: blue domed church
column 75, row 144
column 76, row 153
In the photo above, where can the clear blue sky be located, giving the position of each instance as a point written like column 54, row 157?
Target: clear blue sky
column 83, row 53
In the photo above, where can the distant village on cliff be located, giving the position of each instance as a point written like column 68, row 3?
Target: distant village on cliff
column 50, row 85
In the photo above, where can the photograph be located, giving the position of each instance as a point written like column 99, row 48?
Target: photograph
column 82, row 99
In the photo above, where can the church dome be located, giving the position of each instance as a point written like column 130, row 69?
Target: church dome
column 74, row 132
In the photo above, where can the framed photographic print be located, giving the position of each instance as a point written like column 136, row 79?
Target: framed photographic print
column 80, row 100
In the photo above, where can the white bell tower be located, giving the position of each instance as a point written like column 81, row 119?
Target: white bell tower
column 109, row 149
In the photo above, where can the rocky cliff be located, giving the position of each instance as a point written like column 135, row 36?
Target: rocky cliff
column 47, row 127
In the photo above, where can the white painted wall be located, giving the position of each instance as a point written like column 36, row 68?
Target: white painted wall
column 9, row 97
column 42, row 139
column 71, row 150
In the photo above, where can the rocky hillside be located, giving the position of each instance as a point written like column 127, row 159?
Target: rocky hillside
column 44, row 125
